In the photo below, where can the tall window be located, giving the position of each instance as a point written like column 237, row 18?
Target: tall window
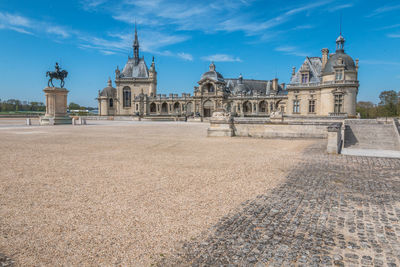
column 311, row 106
column 209, row 88
column 111, row 102
column 127, row 97
column 304, row 78
column 339, row 75
column 338, row 103
column 296, row 106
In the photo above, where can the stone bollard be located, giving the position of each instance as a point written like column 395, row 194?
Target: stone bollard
column 51, row 121
column 334, row 138
column 73, row 121
column 28, row 122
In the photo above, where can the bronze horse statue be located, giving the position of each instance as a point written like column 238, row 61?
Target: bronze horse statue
column 58, row 74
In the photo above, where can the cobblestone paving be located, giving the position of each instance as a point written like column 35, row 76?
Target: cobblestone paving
column 331, row 211
column 5, row 261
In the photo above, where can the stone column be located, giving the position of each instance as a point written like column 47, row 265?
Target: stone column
column 56, row 107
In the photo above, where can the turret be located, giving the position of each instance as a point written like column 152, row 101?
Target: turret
column 153, row 76
column 117, row 73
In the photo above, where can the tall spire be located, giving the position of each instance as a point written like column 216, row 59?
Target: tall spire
column 136, row 47
column 340, row 40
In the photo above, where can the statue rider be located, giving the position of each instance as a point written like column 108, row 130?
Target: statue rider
column 57, row 68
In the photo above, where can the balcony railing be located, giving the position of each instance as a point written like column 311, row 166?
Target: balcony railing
column 321, row 84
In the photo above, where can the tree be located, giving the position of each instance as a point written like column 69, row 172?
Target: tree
column 73, row 106
column 388, row 104
column 366, row 109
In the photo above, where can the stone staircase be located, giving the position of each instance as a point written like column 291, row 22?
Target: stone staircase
column 371, row 134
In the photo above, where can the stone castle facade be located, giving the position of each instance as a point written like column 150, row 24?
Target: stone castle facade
column 323, row 86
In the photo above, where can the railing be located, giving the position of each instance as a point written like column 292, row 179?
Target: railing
column 321, row 84
column 338, row 114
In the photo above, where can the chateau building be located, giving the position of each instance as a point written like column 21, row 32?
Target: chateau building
column 323, row 86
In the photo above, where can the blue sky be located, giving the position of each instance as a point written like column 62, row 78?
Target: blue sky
column 260, row 39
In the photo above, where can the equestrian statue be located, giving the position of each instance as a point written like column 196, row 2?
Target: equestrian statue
column 58, row 74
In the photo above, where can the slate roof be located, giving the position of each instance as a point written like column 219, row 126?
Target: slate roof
column 249, row 86
column 109, row 91
column 135, row 71
column 214, row 75
column 314, row 65
column 348, row 62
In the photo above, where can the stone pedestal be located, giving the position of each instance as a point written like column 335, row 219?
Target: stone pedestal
column 221, row 124
column 334, row 144
column 56, row 107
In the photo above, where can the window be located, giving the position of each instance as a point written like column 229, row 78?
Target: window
column 311, row 106
column 127, row 97
column 209, row 88
column 296, row 106
column 338, row 103
column 339, row 75
column 153, row 107
column 137, row 106
column 111, row 102
column 304, row 78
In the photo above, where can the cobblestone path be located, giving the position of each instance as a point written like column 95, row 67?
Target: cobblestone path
column 331, row 211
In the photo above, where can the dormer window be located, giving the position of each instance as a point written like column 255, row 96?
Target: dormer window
column 304, row 78
column 209, row 88
column 339, row 75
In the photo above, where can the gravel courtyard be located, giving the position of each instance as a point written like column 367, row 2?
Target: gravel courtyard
column 125, row 193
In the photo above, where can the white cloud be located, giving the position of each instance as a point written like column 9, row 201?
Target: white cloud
column 383, row 9
column 291, row 50
column 393, row 35
column 304, row 27
column 339, row 7
column 90, row 4
column 185, row 56
column 57, row 30
column 15, row 23
column 379, row 62
column 221, row 58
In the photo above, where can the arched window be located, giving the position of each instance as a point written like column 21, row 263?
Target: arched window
column 153, row 108
column 177, row 107
column 262, row 107
column 164, row 108
column 111, row 103
column 246, row 107
column 189, row 107
column 126, row 97
column 208, row 108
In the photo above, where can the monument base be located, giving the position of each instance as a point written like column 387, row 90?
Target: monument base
column 221, row 124
column 56, row 107
column 58, row 120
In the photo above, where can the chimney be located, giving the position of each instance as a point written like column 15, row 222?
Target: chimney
column 325, row 56
column 275, row 84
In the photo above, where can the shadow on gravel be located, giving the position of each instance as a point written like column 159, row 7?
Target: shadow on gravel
column 331, row 211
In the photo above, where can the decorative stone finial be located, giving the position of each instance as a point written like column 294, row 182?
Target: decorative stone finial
column 212, row 66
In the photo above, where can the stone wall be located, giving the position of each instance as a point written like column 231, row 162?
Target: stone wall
column 281, row 130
